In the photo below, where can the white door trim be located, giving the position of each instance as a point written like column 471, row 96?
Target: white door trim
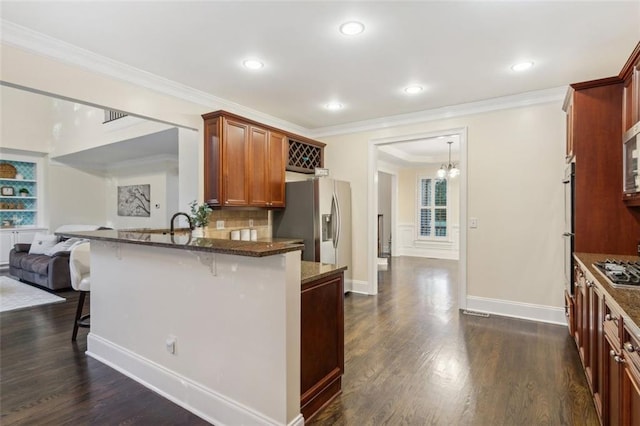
column 372, row 214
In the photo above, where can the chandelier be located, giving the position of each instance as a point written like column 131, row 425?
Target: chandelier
column 450, row 169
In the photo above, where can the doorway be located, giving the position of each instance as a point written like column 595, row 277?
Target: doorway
column 418, row 140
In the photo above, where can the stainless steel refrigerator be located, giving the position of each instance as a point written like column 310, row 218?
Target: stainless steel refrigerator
column 319, row 211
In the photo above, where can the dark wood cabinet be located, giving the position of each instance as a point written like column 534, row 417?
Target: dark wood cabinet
column 603, row 222
column 268, row 157
column 612, row 376
column 235, row 139
column 630, row 75
column 244, row 162
column 596, row 336
column 322, row 342
column 630, row 380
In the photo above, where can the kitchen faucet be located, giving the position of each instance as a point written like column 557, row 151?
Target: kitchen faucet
column 173, row 218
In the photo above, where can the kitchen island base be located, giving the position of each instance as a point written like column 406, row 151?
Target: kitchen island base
column 234, row 321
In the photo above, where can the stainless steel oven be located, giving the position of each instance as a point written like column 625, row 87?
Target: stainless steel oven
column 569, row 222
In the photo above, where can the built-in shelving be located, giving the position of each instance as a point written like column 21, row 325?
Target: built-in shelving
column 19, row 210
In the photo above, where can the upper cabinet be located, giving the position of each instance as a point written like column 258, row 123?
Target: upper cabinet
column 244, row 162
column 631, row 93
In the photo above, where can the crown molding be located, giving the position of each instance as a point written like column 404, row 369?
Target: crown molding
column 505, row 102
column 32, row 41
column 35, row 42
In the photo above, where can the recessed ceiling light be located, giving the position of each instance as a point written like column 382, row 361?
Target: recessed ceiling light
column 522, row 66
column 334, row 106
column 412, row 90
column 252, row 64
column 352, row 28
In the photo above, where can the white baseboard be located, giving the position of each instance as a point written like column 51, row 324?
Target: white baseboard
column 203, row 402
column 361, row 287
column 507, row 308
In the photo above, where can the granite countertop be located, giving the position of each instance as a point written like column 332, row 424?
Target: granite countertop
column 311, row 271
column 628, row 300
column 186, row 240
column 291, row 240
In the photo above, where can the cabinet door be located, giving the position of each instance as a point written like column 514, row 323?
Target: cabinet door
column 278, row 152
column 611, row 395
column 630, row 395
column 235, row 142
column 6, row 244
column 596, row 317
column 212, row 162
column 258, row 166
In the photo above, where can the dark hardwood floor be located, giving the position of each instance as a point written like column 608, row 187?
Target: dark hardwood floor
column 410, row 358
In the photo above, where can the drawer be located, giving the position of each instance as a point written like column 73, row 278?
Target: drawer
column 631, row 347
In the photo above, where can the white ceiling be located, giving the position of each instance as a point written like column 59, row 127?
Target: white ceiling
column 420, row 152
column 459, row 51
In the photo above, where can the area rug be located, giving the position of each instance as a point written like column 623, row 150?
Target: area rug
column 17, row 295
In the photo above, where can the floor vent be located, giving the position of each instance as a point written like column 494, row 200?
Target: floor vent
column 476, row 314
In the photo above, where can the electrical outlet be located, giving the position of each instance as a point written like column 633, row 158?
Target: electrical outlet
column 250, row 223
column 219, row 224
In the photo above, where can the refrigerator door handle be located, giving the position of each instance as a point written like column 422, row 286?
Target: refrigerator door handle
column 335, row 213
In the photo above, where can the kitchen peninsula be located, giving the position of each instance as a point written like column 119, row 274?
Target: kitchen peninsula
column 213, row 325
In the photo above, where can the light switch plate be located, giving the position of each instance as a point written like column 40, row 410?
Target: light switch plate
column 473, row 223
column 219, row 224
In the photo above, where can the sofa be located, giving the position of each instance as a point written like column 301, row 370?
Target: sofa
column 51, row 272
column 49, row 269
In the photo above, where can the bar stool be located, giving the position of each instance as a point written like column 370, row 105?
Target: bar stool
column 79, row 268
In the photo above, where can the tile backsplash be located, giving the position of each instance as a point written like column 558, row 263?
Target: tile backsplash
column 239, row 219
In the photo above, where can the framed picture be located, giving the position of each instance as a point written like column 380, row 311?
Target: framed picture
column 7, row 191
column 134, row 200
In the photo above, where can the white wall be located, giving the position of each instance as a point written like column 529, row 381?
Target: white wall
column 163, row 178
column 75, row 196
column 26, row 120
column 515, row 165
column 79, row 127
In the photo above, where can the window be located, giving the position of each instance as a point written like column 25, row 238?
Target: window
column 432, row 208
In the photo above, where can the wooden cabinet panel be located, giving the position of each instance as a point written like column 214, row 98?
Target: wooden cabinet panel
column 603, row 223
column 631, row 92
column 212, row 161
column 630, row 396
column 258, row 167
column 595, row 342
column 235, row 140
column 322, row 343
column 278, row 153
column 569, row 307
column 612, row 377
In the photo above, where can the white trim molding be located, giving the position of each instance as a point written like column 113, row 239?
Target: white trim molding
column 508, row 308
column 361, row 287
column 505, row 102
column 205, row 403
column 32, row 41
column 408, row 245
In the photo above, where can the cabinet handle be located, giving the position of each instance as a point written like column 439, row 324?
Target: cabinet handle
column 608, row 317
column 629, row 347
column 617, row 358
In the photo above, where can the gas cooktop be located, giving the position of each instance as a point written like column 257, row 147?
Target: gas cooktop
column 620, row 273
